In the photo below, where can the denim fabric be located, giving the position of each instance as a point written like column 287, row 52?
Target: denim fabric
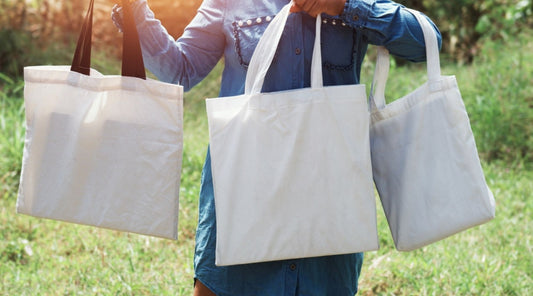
column 231, row 29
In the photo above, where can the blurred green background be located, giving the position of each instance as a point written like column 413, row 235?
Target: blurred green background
column 488, row 45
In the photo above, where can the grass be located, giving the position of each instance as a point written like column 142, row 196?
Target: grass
column 492, row 259
column 11, row 132
column 44, row 257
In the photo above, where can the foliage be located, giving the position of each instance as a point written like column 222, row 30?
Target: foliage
column 464, row 22
column 500, row 101
column 26, row 28
column 31, row 32
column 41, row 31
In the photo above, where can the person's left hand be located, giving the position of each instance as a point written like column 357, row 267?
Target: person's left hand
column 314, row 7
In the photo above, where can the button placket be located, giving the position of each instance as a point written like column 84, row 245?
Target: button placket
column 291, row 279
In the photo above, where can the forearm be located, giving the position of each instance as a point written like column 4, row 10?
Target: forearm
column 388, row 24
column 185, row 61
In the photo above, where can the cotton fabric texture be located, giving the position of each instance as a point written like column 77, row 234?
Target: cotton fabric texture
column 216, row 32
column 102, row 150
column 426, row 166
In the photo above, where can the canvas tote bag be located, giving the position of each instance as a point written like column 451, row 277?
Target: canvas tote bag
column 102, row 150
column 424, row 158
column 291, row 169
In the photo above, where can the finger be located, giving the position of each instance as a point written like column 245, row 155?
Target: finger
column 302, row 4
column 295, row 8
column 313, row 9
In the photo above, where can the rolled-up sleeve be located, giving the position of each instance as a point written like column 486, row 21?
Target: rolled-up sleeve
column 189, row 59
column 388, row 24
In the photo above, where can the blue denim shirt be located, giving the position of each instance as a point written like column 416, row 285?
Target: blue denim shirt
column 230, row 30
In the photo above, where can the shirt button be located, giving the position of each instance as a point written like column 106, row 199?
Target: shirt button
column 355, row 17
column 298, row 51
column 292, row 266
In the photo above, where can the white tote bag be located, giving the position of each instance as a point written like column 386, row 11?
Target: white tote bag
column 102, row 150
column 291, row 170
column 424, row 158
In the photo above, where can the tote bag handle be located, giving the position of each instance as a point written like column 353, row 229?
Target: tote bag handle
column 377, row 91
column 132, row 61
column 266, row 49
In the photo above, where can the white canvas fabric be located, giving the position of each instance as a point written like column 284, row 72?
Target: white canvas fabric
column 102, row 150
column 425, row 162
column 291, row 170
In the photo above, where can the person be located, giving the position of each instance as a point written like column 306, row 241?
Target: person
column 230, row 30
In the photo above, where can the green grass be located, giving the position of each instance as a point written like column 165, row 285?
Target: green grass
column 491, row 259
column 44, row 257
column 11, row 132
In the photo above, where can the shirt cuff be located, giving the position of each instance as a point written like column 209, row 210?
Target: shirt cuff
column 356, row 12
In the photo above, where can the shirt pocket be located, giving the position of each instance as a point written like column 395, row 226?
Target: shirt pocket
column 338, row 45
column 246, row 34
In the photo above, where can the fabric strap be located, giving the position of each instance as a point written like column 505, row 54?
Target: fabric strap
column 266, row 49
column 377, row 92
column 132, row 61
